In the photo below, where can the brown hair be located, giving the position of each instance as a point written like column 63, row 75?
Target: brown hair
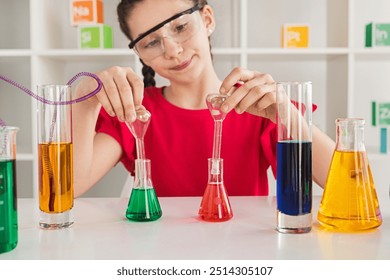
column 124, row 9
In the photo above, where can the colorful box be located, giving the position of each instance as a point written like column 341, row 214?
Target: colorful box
column 381, row 117
column 86, row 12
column 97, row 36
column 377, row 34
column 295, row 36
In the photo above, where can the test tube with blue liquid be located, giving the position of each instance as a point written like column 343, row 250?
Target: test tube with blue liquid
column 294, row 157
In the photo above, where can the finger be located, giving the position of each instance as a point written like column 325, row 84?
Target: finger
column 237, row 75
column 266, row 107
column 126, row 96
column 114, row 98
column 137, row 86
column 102, row 95
column 258, row 81
column 259, row 97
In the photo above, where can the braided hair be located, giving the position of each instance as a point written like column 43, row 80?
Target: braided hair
column 124, row 10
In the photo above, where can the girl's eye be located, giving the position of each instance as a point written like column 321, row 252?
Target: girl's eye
column 181, row 27
column 151, row 44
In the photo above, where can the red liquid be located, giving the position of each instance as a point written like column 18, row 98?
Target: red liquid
column 215, row 205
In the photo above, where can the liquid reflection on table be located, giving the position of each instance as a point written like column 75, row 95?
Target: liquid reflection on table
column 101, row 231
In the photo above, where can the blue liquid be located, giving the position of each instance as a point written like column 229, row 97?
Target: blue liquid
column 294, row 178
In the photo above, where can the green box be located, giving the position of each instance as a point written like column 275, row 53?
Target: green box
column 384, row 114
column 380, row 113
column 97, row 36
column 377, row 34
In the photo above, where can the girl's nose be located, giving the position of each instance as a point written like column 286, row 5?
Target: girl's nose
column 171, row 47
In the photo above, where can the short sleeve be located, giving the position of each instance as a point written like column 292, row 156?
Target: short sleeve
column 269, row 138
column 120, row 132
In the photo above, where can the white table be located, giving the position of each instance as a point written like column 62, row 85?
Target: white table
column 101, row 231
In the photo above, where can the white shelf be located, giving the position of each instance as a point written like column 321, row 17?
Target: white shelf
column 15, row 53
column 83, row 52
column 41, row 47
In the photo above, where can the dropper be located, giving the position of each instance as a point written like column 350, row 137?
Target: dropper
column 138, row 129
column 214, row 102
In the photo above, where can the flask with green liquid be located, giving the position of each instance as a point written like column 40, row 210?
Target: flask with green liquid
column 143, row 203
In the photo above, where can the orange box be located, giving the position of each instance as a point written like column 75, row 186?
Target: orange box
column 86, row 12
column 295, row 36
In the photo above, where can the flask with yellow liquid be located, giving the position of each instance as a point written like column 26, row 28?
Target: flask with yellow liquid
column 349, row 201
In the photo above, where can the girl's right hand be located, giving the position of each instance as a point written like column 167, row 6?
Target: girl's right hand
column 121, row 94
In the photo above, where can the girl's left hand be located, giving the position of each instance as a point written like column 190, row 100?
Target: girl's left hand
column 256, row 95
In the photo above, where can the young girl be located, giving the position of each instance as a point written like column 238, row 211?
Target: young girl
column 171, row 38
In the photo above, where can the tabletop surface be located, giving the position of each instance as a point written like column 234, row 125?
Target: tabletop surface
column 101, row 231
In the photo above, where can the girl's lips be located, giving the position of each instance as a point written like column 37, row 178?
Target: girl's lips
column 182, row 65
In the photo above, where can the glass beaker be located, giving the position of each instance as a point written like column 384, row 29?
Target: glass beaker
column 215, row 205
column 55, row 158
column 8, row 195
column 294, row 157
column 349, row 201
column 143, row 203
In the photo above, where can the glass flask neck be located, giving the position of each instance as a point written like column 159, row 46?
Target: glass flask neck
column 8, row 142
column 215, row 170
column 350, row 134
column 142, row 178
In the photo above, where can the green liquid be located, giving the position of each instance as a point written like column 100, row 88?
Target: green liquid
column 143, row 206
column 8, row 206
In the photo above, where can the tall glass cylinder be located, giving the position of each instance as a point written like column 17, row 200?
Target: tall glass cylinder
column 349, row 202
column 55, row 158
column 8, row 195
column 294, row 157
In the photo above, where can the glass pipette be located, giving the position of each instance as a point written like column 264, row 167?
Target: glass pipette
column 138, row 128
column 143, row 203
column 214, row 102
column 215, row 205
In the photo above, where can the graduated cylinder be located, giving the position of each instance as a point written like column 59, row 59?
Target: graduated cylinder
column 55, row 157
column 8, row 195
column 294, row 157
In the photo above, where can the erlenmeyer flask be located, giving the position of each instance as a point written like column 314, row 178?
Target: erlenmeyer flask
column 143, row 203
column 349, row 202
column 8, row 196
column 215, row 205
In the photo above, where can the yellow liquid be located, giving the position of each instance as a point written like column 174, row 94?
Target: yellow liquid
column 55, row 167
column 349, row 202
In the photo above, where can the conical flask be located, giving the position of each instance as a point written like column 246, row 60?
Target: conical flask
column 349, row 202
column 143, row 203
column 215, row 205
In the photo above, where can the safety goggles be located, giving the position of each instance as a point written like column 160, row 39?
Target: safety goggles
column 179, row 28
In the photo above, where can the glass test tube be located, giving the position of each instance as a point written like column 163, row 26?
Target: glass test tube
column 55, row 158
column 8, row 195
column 294, row 157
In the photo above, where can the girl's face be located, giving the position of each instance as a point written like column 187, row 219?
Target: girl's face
column 179, row 50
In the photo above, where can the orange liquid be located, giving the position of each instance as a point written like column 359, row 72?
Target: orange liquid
column 55, row 167
column 215, row 205
column 349, row 202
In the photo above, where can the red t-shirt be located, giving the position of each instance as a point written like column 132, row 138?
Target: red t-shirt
column 179, row 141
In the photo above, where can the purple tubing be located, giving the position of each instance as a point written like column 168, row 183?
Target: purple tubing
column 50, row 102
column 71, row 81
